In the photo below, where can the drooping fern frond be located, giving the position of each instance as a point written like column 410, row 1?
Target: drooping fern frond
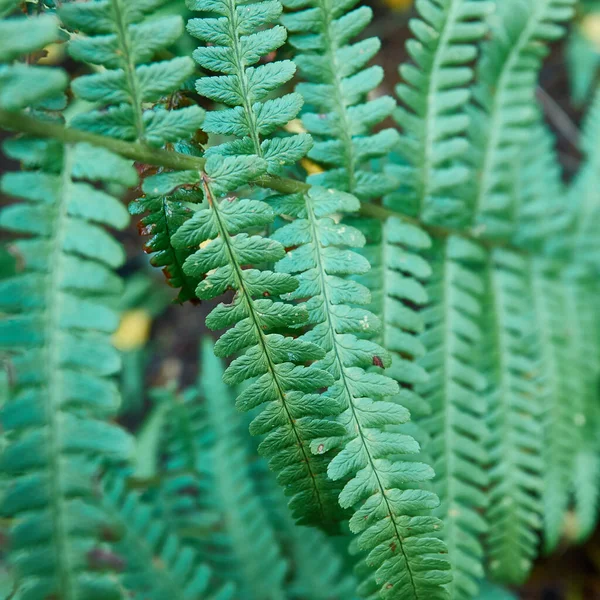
column 433, row 114
column 241, row 543
column 156, row 565
column 454, row 389
column 59, row 321
column 235, row 42
column 295, row 414
column 124, row 41
column 561, row 435
column 387, row 516
column 583, row 343
column 515, row 408
column 336, row 89
column 505, row 99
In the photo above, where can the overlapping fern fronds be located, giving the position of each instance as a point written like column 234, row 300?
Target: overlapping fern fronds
column 156, row 564
column 294, row 415
column 208, row 452
column 370, row 458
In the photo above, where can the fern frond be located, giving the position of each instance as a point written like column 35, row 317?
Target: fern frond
column 157, row 565
column 560, row 433
column 235, row 41
column 584, row 347
column 457, row 427
column 515, row 440
column 295, row 414
column 370, row 461
column 124, row 41
column 338, row 83
column 59, row 321
column 433, row 114
column 505, row 98
column 241, row 543
column 23, row 85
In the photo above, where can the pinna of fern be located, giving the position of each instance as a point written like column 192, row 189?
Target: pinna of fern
column 294, row 414
column 433, row 112
column 369, row 459
column 456, row 426
column 56, row 328
column 235, row 41
column 59, row 324
column 504, row 106
column 124, row 42
column 514, row 513
column 337, row 84
column 23, row 85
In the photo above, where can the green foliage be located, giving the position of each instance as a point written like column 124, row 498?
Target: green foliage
column 370, row 459
column 23, row 85
column 454, row 392
column 209, row 453
column 433, row 114
column 505, row 106
column 423, row 374
column 335, row 93
column 238, row 38
column 294, row 416
column 59, row 333
column 124, row 41
column 156, row 563
column 514, row 412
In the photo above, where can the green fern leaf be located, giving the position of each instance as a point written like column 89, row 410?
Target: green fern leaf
column 294, row 415
column 505, row 99
column 434, row 95
column 124, row 42
column 454, row 389
column 515, row 441
column 335, row 94
column 370, row 458
column 235, row 41
column 58, row 324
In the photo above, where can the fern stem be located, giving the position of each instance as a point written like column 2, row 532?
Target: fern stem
column 176, row 160
column 53, row 404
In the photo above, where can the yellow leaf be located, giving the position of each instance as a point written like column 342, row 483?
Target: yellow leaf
column 133, row 331
column 398, row 4
column 312, row 168
column 590, row 27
